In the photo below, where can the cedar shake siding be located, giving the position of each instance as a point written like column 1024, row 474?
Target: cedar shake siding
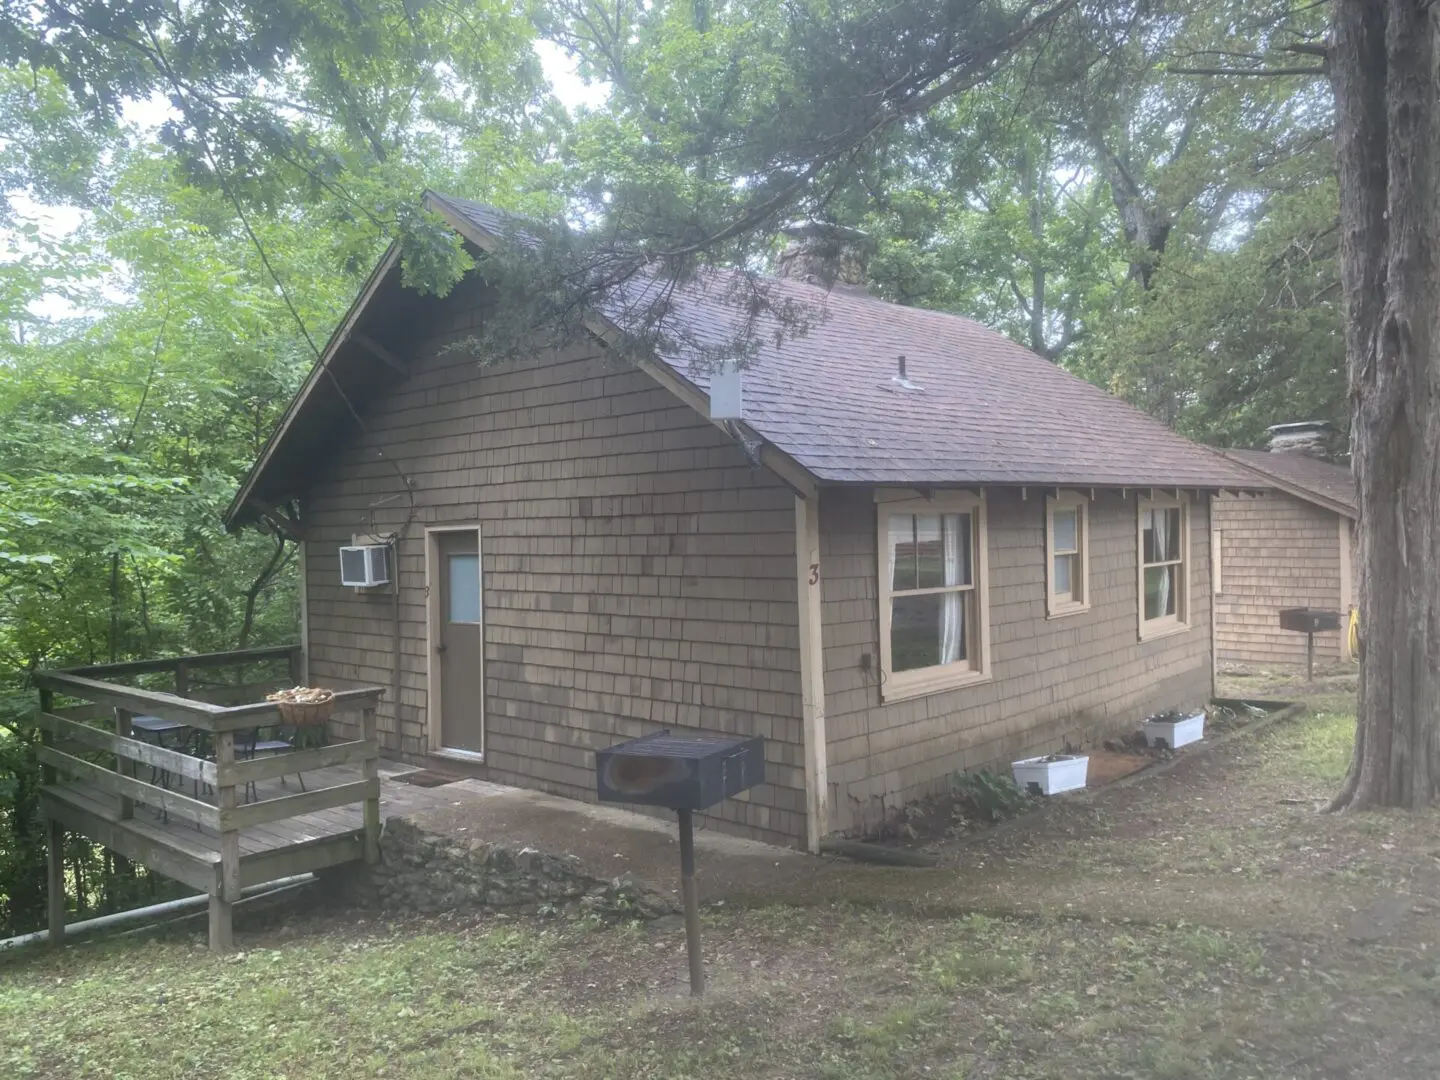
column 1276, row 551
column 638, row 573
column 1071, row 678
column 639, row 567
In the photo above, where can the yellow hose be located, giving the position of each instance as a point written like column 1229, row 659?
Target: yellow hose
column 1352, row 644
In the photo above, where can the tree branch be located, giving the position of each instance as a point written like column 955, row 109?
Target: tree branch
column 1257, row 72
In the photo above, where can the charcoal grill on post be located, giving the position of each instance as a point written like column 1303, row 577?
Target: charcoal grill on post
column 1309, row 621
column 682, row 773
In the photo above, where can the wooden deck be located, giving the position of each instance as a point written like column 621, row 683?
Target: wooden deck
column 191, row 852
column 197, row 810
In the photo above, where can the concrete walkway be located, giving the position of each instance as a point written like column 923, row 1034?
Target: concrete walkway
column 1058, row 864
column 610, row 842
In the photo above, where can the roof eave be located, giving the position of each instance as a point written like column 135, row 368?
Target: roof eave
column 242, row 510
column 1298, row 490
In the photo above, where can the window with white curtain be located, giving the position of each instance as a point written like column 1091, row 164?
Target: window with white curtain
column 1164, row 555
column 1067, row 554
column 933, row 623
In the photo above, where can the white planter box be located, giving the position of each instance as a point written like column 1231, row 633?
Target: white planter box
column 1175, row 733
column 1052, row 774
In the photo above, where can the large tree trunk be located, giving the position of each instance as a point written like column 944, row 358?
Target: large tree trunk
column 1383, row 62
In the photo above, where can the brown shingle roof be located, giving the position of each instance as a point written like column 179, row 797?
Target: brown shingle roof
column 988, row 411
column 1333, row 486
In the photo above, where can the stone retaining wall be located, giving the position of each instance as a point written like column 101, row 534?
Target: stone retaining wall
column 421, row 871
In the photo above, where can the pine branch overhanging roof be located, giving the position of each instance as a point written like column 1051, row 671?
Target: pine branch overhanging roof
column 988, row 411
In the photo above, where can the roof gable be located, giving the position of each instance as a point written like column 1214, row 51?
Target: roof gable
column 979, row 409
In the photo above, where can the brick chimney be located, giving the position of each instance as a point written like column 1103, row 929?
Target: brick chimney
column 1310, row 437
column 824, row 254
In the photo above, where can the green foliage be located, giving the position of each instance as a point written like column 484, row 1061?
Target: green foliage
column 149, row 352
column 1230, row 341
column 991, row 796
column 1103, row 196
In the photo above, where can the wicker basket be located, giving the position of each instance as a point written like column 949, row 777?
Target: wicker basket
column 303, row 706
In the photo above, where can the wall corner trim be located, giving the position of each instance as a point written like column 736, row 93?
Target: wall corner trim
column 809, row 588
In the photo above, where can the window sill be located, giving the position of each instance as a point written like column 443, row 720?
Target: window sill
column 1150, row 633
column 1067, row 609
column 905, row 689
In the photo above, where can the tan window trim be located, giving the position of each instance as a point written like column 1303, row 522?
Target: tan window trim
column 1057, row 607
column 922, row 681
column 1217, row 565
column 1178, row 623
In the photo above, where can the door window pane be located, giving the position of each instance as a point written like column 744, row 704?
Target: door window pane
column 463, row 603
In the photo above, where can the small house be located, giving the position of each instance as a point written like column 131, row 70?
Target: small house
column 1291, row 546
column 915, row 548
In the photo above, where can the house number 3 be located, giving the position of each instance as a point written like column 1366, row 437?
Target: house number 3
column 814, row 573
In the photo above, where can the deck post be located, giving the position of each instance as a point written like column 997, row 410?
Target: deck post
column 54, row 841
column 222, row 926
column 47, row 705
column 369, row 731
column 124, row 766
column 227, row 874
column 55, row 879
column 296, row 659
column 182, row 679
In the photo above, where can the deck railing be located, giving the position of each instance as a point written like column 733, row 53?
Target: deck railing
column 64, row 738
column 184, row 675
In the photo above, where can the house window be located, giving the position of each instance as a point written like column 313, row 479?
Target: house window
column 933, row 622
column 1067, row 554
column 1164, row 555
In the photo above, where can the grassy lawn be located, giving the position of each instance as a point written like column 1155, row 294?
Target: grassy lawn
column 830, row 990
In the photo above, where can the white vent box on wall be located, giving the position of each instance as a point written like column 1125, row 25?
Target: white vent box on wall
column 727, row 396
column 363, row 566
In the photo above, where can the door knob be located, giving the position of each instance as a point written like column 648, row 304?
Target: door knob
column 441, row 648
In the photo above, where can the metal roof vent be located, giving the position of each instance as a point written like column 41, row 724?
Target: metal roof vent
column 902, row 381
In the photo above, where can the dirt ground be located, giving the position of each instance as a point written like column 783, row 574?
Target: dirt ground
column 1207, row 921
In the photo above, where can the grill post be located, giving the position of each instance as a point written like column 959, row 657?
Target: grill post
column 691, row 903
column 684, row 774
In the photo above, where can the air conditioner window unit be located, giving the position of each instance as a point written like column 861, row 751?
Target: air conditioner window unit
column 364, row 566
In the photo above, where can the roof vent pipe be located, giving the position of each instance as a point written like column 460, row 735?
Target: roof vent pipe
column 901, row 379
